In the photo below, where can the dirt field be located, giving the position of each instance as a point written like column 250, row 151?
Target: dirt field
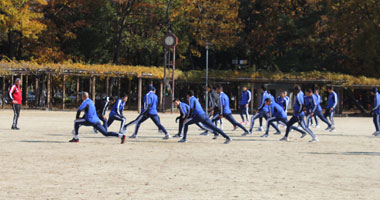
column 37, row 162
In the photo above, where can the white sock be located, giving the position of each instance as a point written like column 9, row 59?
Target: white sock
column 76, row 137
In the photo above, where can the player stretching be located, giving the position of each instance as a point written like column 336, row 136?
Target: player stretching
column 225, row 110
column 298, row 116
column 90, row 119
column 277, row 114
column 214, row 108
column 117, row 113
column 246, row 97
column 184, row 110
column 260, row 113
column 101, row 110
column 316, row 93
column 150, row 111
column 198, row 115
column 376, row 110
column 316, row 109
column 332, row 102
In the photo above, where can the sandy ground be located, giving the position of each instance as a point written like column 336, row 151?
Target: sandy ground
column 37, row 162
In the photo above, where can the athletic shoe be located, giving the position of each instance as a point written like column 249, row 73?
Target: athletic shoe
column 284, row 139
column 303, row 135
column 264, row 136
column 133, row 136
column 15, row 128
column 123, row 139
column 177, row 135
column 228, row 140
column 204, row 133
column 74, row 140
column 166, row 137
column 182, row 141
column 246, row 123
column 260, row 129
column 245, row 134
column 277, row 133
column 376, row 133
column 215, row 137
column 314, row 140
column 317, row 126
column 328, row 128
column 124, row 131
column 332, row 129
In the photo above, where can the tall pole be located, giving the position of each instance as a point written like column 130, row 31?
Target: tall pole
column 173, row 82
column 164, row 86
column 207, row 78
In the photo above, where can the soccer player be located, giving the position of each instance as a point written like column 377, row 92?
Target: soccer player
column 260, row 113
column 149, row 111
column 117, row 113
column 298, row 116
column 283, row 101
column 196, row 115
column 277, row 114
column 246, row 97
column 376, row 110
column 308, row 108
column 316, row 109
column 90, row 119
column 332, row 102
column 184, row 110
column 316, row 93
column 214, row 108
column 15, row 94
column 101, row 110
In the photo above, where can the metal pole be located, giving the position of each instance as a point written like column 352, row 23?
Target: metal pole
column 173, row 82
column 164, row 87
column 206, row 78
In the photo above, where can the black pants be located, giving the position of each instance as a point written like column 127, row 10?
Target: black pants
column 232, row 120
column 16, row 114
column 282, row 121
column 244, row 112
column 117, row 118
column 98, row 126
column 376, row 121
column 301, row 122
column 206, row 122
column 142, row 118
column 104, row 120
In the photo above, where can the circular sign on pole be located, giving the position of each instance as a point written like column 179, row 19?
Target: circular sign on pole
column 170, row 40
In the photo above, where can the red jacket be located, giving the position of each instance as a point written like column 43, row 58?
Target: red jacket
column 15, row 94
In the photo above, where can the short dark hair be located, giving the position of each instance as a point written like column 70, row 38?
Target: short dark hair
column 330, row 87
column 309, row 91
column 219, row 87
column 124, row 95
column 112, row 98
column 263, row 87
column 244, row 86
column 297, row 87
column 268, row 100
column 176, row 99
column 190, row 93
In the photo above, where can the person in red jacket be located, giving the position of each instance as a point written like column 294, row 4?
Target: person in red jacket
column 16, row 95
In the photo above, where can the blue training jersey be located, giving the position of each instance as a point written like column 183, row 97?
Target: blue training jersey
column 316, row 103
column 196, row 107
column 376, row 104
column 245, row 97
column 184, row 109
column 225, row 103
column 263, row 97
column 276, row 110
column 90, row 111
column 284, row 102
column 151, row 100
column 332, row 101
column 117, row 108
column 308, row 101
column 298, row 103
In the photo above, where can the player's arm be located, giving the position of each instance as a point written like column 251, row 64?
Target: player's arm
column 335, row 98
column 299, row 103
column 81, row 108
column 376, row 103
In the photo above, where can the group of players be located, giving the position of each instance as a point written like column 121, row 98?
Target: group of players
column 273, row 110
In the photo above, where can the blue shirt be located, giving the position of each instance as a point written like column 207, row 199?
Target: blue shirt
column 276, row 110
column 184, row 109
column 376, row 104
column 308, row 102
column 90, row 111
column 225, row 103
column 196, row 107
column 316, row 103
column 151, row 100
column 332, row 100
column 297, row 107
column 117, row 108
column 263, row 97
column 245, row 97
column 284, row 102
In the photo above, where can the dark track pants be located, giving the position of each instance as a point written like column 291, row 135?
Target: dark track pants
column 301, row 122
column 330, row 115
column 244, row 112
column 206, row 122
column 142, row 118
column 98, row 126
column 376, row 121
column 282, row 121
column 16, row 114
column 117, row 118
